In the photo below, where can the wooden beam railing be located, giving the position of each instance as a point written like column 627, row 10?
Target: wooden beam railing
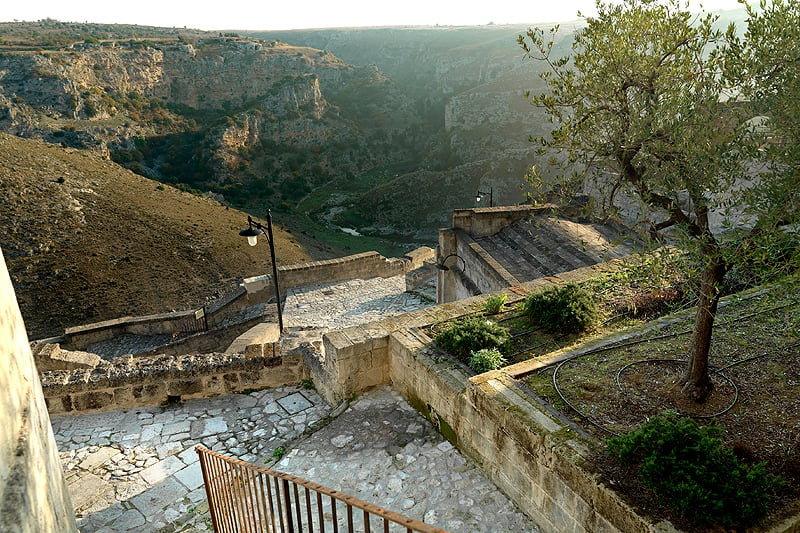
column 245, row 498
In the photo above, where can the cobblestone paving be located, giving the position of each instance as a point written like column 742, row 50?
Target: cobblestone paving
column 136, row 469
column 349, row 303
column 381, row 451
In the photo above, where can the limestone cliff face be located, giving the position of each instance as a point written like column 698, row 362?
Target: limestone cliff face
column 237, row 73
column 70, row 84
column 93, row 81
column 241, row 94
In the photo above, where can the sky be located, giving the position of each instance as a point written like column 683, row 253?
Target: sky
column 294, row 14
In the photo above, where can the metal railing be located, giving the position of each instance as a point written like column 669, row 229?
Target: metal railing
column 245, row 498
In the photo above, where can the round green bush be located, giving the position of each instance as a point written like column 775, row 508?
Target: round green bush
column 689, row 468
column 566, row 309
column 472, row 334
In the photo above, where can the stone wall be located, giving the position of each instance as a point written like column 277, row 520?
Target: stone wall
column 154, row 380
column 488, row 221
column 252, row 291
column 530, row 455
column 33, row 492
column 364, row 265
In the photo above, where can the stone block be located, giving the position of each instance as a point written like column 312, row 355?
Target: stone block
column 249, row 379
column 254, row 350
column 185, row 387
column 231, row 380
column 123, row 396
column 92, row 400
column 151, row 391
column 59, row 404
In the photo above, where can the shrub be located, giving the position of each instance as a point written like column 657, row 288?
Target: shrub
column 687, row 465
column 486, row 359
column 568, row 309
column 471, row 335
column 495, row 303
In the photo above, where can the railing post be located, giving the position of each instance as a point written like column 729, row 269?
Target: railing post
column 287, row 499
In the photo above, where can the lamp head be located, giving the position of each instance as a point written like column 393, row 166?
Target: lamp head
column 252, row 235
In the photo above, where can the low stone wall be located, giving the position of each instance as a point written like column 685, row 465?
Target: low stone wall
column 364, row 265
column 481, row 222
column 252, row 291
column 530, row 455
column 132, row 382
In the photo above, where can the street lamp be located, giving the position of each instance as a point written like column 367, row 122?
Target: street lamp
column 254, row 229
column 441, row 266
column 480, row 194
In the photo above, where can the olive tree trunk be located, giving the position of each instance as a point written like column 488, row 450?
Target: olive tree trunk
column 696, row 381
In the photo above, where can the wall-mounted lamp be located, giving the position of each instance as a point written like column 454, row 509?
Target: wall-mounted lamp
column 480, row 194
column 441, row 266
column 254, row 229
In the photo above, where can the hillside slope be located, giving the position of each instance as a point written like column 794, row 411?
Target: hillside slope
column 87, row 240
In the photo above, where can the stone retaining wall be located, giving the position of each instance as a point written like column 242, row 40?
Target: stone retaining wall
column 364, row 265
column 132, row 382
column 530, row 455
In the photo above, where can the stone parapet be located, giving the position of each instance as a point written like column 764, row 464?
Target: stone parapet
column 364, row 265
column 132, row 382
column 480, row 222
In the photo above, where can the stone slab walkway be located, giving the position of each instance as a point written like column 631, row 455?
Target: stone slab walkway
column 382, row 451
column 349, row 303
column 136, row 469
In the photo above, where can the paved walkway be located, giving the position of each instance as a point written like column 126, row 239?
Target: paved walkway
column 136, row 469
column 349, row 303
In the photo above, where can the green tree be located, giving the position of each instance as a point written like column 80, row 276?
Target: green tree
column 639, row 106
column 765, row 65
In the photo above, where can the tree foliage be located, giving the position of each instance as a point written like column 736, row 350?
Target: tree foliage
column 645, row 107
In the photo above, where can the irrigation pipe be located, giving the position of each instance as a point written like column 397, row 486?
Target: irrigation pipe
column 717, row 371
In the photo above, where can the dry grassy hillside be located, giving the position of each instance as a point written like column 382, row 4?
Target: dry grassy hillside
column 86, row 240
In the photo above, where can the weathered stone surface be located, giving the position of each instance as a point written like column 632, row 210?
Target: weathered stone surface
column 92, row 400
column 33, row 492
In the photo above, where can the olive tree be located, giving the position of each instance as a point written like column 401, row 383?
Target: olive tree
column 642, row 106
column 765, row 66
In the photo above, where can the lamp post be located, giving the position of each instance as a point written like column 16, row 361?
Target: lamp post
column 480, row 194
column 252, row 232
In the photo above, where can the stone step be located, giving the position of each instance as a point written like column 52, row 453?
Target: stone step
column 258, row 340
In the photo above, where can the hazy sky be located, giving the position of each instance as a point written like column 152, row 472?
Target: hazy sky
column 289, row 14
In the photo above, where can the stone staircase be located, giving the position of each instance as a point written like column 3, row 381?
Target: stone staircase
column 544, row 246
